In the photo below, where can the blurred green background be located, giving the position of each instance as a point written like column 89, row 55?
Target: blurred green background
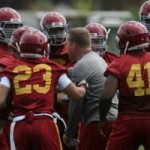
column 89, row 5
column 80, row 12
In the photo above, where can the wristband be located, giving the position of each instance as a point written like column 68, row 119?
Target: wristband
column 5, row 81
column 63, row 81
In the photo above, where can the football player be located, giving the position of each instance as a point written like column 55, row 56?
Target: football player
column 6, row 61
column 32, row 81
column 54, row 26
column 99, row 36
column 144, row 15
column 130, row 75
column 10, row 19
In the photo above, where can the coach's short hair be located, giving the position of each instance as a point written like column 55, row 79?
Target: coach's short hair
column 80, row 36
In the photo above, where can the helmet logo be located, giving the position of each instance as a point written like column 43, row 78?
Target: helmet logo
column 93, row 34
column 15, row 19
column 57, row 23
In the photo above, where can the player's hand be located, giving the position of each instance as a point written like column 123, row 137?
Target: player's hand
column 69, row 141
column 83, row 82
column 100, row 128
column 62, row 99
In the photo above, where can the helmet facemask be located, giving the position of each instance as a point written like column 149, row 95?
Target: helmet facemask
column 98, row 44
column 56, row 34
column 9, row 27
column 2, row 36
column 145, row 20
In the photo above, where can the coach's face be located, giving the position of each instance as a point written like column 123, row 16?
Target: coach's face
column 71, row 48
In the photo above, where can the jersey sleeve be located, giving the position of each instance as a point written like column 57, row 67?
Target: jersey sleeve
column 113, row 68
column 7, row 61
column 109, row 57
column 61, row 69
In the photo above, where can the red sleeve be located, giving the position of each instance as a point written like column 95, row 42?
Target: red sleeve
column 109, row 57
column 113, row 68
column 7, row 60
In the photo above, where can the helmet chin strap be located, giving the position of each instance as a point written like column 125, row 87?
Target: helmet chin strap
column 105, row 42
column 138, row 47
column 108, row 33
column 46, row 54
column 125, row 50
column 18, row 48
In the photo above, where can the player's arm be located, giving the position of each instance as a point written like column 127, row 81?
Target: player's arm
column 67, row 86
column 4, row 91
column 74, row 116
column 107, row 95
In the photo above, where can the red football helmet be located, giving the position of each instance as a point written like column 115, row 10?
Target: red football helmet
column 33, row 44
column 144, row 14
column 99, row 37
column 16, row 36
column 132, row 36
column 54, row 26
column 9, row 21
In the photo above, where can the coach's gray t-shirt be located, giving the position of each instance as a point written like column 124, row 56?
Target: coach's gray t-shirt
column 91, row 68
